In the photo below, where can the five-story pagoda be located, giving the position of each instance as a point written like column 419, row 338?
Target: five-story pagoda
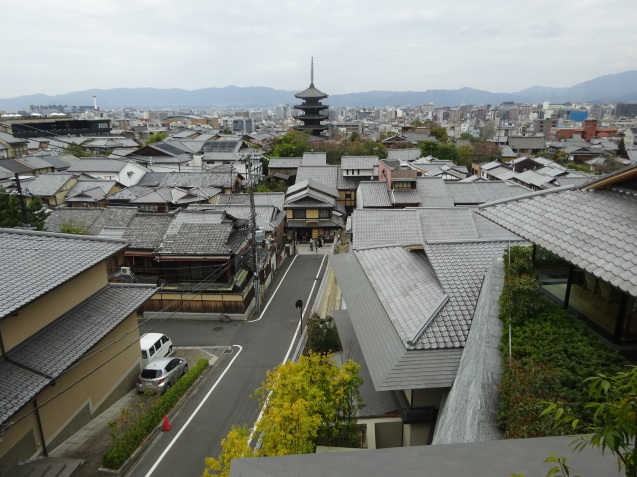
column 311, row 108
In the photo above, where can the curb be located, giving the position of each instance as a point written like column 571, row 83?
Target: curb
column 103, row 471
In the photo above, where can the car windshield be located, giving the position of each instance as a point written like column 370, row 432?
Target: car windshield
column 151, row 373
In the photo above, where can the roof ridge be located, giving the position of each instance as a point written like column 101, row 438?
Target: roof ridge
column 38, row 233
column 527, row 196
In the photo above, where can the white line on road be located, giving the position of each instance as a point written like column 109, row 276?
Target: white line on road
column 287, row 355
column 163, row 454
column 277, row 289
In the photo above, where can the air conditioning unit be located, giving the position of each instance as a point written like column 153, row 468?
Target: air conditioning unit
column 126, row 271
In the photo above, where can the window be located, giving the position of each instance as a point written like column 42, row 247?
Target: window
column 324, row 213
column 298, row 213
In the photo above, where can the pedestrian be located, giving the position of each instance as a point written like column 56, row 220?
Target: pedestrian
column 315, row 246
column 311, row 246
column 320, row 242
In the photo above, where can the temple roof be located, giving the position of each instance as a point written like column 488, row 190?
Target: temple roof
column 311, row 93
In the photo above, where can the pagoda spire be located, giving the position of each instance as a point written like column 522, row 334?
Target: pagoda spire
column 312, row 72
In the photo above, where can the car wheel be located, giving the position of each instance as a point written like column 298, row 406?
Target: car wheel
column 170, row 350
column 185, row 369
column 167, row 387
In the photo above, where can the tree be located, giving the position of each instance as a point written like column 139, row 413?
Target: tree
column 439, row 133
column 614, row 401
column 465, row 155
column 159, row 136
column 11, row 214
column 322, row 335
column 77, row 151
column 304, row 404
column 234, row 446
column 621, row 150
column 291, row 144
column 428, row 148
column 487, row 131
column 447, row 152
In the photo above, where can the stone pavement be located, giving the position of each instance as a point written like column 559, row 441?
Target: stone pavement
column 91, row 442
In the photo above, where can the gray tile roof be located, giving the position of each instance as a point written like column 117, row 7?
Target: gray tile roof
column 434, row 192
column 34, row 162
column 373, row 195
column 89, row 190
column 593, row 229
column 464, row 193
column 15, row 167
column 308, row 185
column 266, row 216
column 359, row 162
column 472, row 459
column 92, row 219
column 34, row 263
column 275, row 199
column 146, row 231
column 326, row 175
column 285, row 162
column 409, row 196
column 392, row 366
column 50, row 352
column 314, row 159
column 527, row 142
column 193, row 232
column 410, row 154
column 47, row 185
column 96, row 164
column 383, row 227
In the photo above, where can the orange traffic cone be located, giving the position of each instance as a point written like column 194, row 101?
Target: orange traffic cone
column 167, row 426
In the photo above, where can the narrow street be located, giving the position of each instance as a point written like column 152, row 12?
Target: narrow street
column 223, row 398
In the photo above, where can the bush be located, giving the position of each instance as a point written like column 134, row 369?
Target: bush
column 129, row 441
column 322, row 335
column 552, row 354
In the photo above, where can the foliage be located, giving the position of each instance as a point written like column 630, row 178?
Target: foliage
column 613, row 427
column 72, row 227
column 465, row 155
column 439, row 133
column 322, row 335
column 234, row 446
column 465, row 136
column 621, row 149
column 428, row 148
column 129, row 441
column 77, row 151
column 560, row 466
column 552, row 354
column 305, row 404
column 292, row 144
column 487, row 131
column 11, row 214
column 270, row 184
column 579, row 167
column 486, row 151
column 159, row 136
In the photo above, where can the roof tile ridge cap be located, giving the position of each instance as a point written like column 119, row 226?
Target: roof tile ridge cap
column 528, row 196
column 130, row 285
column 42, row 233
column 443, row 301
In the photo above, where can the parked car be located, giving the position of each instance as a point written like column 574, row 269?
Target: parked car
column 160, row 374
column 154, row 345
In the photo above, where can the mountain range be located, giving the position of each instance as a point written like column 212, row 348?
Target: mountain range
column 619, row 87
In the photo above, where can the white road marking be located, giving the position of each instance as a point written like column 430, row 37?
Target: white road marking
column 287, row 355
column 275, row 291
column 163, row 454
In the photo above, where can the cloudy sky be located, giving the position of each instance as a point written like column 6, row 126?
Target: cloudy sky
column 61, row 46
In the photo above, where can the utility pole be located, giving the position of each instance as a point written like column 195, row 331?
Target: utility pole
column 247, row 160
column 25, row 217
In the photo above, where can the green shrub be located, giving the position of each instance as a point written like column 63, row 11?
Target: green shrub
column 322, row 335
column 129, row 441
column 552, row 354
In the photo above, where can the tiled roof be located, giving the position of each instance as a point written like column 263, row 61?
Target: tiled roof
column 89, row 190
column 146, row 231
column 50, row 352
column 392, row 366
column 464, row 193
column 527, row 142
column 358, row 162
column 34, row 162
column 266, row 216
column 92, row 219
column 34, row 263
column 15, row 167
column 308, row 184
column 593, row 229
column 410, row 154
column 314, row 159
column 326, row 175
column 434, row 192
column 46, row 185
column 373, row 195
column 94, row 164
column 284, row 162
column 275, row 199
column 408, row 196
column 311, row 93
column 384, row 227
column 197, row 239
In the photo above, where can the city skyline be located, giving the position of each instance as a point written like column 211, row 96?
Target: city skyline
column 61, row 47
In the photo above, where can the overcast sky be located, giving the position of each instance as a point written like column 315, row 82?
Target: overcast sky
column 61, row 46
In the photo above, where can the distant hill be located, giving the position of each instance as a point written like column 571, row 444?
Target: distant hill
column 620, row 87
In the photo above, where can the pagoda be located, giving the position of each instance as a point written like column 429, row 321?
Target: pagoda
column 311, row 108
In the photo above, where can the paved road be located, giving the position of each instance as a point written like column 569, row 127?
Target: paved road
column 223, row 398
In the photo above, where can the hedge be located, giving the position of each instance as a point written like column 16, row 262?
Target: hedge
column 552, row 354
column 131, row 439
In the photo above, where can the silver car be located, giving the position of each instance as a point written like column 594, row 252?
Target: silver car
column 161, row 373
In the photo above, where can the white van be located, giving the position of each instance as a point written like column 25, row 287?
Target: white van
column 154, row 345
